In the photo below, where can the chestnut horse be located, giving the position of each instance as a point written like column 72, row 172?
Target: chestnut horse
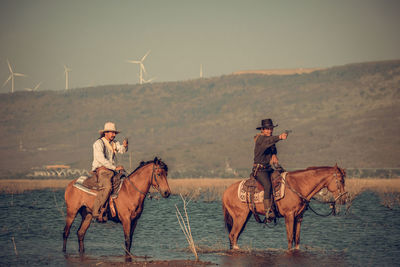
column 301, row 186
column 128, row 204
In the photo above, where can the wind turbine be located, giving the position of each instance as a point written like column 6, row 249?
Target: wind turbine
column 11, row 77
column 34, row 88
column 150, row 80
column 141, row 66
column 66, row 71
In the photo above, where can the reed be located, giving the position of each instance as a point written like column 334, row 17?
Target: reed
column 185, row 226
column 18, row 186
column 61, row 210
column 387, row 189
column 15, row 247
column 206, row 189
column 210, row 189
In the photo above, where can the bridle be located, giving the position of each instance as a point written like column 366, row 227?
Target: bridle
column 338, row 185
column 154, row 174
column 332, row 204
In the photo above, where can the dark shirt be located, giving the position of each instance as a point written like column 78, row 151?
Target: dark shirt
column 264, row 149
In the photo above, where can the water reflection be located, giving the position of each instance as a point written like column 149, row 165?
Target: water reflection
column 282, row 258
column 367, row 235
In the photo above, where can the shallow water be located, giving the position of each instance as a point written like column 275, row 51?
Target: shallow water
column 368, row 235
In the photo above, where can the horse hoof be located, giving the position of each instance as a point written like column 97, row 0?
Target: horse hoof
column 235, row 247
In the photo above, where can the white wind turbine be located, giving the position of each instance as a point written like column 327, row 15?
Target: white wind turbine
column 66, row 71
column 141, row 66
column 11, row 77
column 34, row 88
column 149, row 80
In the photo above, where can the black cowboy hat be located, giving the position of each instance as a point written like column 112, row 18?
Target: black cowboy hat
column 267, row 123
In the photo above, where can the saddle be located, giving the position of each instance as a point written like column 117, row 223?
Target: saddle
column 89, row 183
column 250, row 190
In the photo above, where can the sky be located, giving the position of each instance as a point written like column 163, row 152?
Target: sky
column 96, row 38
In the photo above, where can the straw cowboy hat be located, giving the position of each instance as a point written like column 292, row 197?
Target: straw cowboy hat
column 109, row 127
column 267, row 123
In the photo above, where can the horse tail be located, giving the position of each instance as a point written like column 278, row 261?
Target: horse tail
column 227, row 218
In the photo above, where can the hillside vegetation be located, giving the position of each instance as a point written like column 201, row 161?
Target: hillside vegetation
column 348, row 114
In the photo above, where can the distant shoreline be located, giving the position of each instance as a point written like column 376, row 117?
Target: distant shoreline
column 179, row 185
column 213, row 186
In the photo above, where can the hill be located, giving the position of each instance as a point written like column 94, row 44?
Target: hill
column 277, row 71
column 347, row 114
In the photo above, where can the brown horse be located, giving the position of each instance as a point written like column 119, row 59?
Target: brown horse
column 301, row 186
column 129, row 203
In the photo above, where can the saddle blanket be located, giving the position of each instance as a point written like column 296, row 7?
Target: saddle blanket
column 244, row 194
column 278, row 189
column 81, row 186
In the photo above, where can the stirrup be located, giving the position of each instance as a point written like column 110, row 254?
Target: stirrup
column 94, row 215
column 270, row 216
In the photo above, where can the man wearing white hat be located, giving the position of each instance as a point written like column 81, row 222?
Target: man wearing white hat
column 104, row 164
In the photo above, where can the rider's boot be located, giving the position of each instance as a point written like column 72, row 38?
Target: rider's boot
column 269, row 213
column 95, row 212
column 96, row 206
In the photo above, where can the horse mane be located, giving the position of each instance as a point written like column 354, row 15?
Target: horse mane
column 318, row 167
column 342, row 171
column 313, row 168
column 156, row 160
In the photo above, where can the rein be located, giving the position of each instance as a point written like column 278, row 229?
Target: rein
column 153, row 177
column 332, row 204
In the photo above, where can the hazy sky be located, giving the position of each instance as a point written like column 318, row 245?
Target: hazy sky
column 95, row 38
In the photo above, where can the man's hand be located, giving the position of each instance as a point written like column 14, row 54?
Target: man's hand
column 274, row 160
column 125, row 142
column 119, row 168
column 283, row 136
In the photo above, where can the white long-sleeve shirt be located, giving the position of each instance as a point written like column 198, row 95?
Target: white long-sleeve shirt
column 104, row 155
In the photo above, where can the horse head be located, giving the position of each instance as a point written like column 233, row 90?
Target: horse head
column 336, row 184
column 159, row 177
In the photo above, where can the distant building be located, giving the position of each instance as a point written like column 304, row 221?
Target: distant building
column 50, row 167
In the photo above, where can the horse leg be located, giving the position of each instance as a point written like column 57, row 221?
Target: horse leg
column 85, row 223
column 236, row 214
column 127, row 224
column 100, row 218
column 68, row 223
column 297, row 232
column 133, row 226
column 289, row 221
column 238, row 223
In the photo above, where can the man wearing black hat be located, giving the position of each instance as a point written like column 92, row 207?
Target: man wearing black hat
column 265, row 154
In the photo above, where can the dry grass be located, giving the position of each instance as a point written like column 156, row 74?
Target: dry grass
column 210, row 189
column 22, row 185
column 207, row 189
column 387, row 189
column 358, row 185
